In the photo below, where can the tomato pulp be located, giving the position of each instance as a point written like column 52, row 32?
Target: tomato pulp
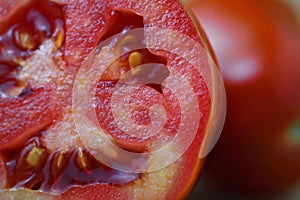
column 82, row 82
column 257, row 47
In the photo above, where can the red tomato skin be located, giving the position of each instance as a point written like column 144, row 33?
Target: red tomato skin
column 257, row 45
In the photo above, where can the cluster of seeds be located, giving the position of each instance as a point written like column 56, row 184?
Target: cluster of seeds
column 20, row 37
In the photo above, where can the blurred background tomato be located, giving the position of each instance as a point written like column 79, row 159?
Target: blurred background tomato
column 257, row 46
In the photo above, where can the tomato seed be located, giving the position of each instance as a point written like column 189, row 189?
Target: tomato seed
column 135, row 59
column 61, row 159
column 25, row 40
column 82, row 161
column 59, row 34
column 34, row 157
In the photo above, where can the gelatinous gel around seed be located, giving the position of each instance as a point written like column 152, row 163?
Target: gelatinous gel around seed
column 33, row 167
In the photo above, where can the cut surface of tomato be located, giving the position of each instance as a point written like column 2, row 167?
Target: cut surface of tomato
column 66, row 132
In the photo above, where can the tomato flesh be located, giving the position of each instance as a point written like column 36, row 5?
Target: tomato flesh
column 32, row 155
column 72, row 169
column 18, row 39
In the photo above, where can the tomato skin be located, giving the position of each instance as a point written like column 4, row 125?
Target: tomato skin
column 257, row 45
column 86, row 22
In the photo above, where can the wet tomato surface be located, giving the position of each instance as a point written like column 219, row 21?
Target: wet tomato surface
column 57, row 144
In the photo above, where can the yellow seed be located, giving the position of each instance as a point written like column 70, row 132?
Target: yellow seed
column 59, row 38
column 135, row 59
column 60, row 159
column 26, row 40
column 34, row 156
column 83, row 160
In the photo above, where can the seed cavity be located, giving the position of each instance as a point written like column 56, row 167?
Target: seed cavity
column 21, row 37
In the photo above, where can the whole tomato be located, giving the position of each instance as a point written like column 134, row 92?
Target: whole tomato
column 257, row 45
column 100, row 99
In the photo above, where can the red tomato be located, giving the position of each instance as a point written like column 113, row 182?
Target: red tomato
column 65, row 130
column 257, row 45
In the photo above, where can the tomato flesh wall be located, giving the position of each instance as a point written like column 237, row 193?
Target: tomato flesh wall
column 31, row 159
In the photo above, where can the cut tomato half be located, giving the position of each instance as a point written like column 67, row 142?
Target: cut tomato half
column 104, row 100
